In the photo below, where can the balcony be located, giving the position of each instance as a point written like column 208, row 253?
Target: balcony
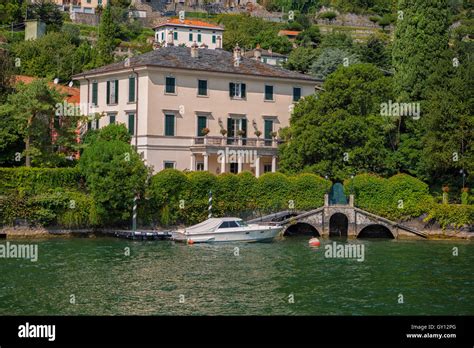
column 236, row 141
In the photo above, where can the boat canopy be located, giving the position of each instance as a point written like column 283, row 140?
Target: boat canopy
column 210, row 225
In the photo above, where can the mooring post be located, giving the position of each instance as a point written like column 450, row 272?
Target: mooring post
column 134, row 213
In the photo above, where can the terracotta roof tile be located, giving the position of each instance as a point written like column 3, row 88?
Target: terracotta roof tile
column 189, row 23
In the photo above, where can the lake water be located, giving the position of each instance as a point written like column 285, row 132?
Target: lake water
column 167, row 278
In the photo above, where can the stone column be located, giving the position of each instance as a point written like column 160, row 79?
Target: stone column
column 274, row 164
column 257, row 166
column 351, row 200
column 326, row 200
column 193, row 162
column 206, row 161
column 239, row 163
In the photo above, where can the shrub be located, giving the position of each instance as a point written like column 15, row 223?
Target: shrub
column 329, row 15
column 455, row 215
column 307, row 191
column 273, row 192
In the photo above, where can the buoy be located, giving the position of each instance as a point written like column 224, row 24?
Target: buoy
column 190, row 241
column 314, row 242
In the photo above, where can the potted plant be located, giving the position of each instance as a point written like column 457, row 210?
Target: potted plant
column 223, row 132
column 258, row 133
column 205, row 131
column 241, row 132
column 274, row 134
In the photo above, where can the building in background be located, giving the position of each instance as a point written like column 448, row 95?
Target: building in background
column 184, row 32
column 266, row 56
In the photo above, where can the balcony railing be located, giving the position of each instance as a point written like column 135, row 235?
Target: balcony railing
column 235, row 141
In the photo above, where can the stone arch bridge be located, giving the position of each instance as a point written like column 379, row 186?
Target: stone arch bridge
column 344, row 220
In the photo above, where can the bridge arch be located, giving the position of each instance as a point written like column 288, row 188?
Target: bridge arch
column 301, row 229
column 375, row 231
column 338, row 225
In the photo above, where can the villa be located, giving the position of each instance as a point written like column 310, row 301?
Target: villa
column 186, row 107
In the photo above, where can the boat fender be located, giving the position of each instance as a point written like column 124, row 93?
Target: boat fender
column 190, row 241
column 314, row 242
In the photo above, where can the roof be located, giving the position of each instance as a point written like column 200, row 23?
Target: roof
column 220, row 61
column 189, row 23
column 289, row 32
column 73, row 93
column 209, row 225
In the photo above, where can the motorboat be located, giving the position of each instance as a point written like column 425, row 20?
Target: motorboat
column 227, row 229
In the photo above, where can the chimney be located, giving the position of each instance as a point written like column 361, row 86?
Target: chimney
column 237, row 52
column 219, row 42
column 170, row 41
column 195, row 50
column 257, row 53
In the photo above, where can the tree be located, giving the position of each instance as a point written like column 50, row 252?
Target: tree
column 341, row 132
column 420, row 39
column 114, row 174
column 310, row 37
column 108, row 31
column 300, row 59
column 31, row 112
column 330, row 59
column 374, row 51
column 48, row 12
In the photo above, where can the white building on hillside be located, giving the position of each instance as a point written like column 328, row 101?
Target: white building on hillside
column 184, row 32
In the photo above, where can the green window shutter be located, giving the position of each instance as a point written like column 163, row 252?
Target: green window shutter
column 116, row 91
column 131, row 124
column 131, row 89
column 296, row 93
column 108, row 92
column 202, row 87
column 231, row 89
column 230, row 128
column 170, row 85
column 111, row 119
column 94, row 93
column 268, row 129
column 268, row 92
column 244, row 127
column 202, row 123
column 175, row 35
column 243, row 90
column 97, row 124
column 213, row 39
column 191, row 37
column 169, row 125
column 199, row 37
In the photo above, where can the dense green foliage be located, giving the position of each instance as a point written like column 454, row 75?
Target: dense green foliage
column 398, row 198
column 451, row 215
column 108, row 31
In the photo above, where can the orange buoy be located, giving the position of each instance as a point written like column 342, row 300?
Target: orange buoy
column 190, row 241
column 314, row 242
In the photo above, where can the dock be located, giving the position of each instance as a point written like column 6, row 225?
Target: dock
column 144, row 235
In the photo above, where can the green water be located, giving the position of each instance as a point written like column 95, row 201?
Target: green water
column 257, row 282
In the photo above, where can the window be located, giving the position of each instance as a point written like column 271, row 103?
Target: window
column 131, row 124
column 199, row 37
column 213, row 39
column 168, row 165
column 175, row 35
column 202, row 87
column 234, row 168
column 296, row 94
column 202, row 123
column 268, row 129
column 265, row 60
column 163, row 36
column 94, row 93
column 268, row 92
column 228, row 224
column 237, row 90
column 111, row 118
column 191, row 37
column 267, row 168
column 170, row 85
column 169, row 124
column 112, row 92
column 100, row 2
column 234, row 126
column 131, row 89
column 200, row 166
column 97, row 124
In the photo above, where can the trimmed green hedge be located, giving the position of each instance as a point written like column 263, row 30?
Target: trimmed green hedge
column 398, row 198
column 26, row 180
column 452, row 215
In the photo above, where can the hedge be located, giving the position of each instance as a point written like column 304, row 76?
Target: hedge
column 451, row 215
column 400, row 197
column 27, row 180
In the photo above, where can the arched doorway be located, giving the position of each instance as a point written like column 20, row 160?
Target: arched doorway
column 301, row 229
column 375, row 231
column 338, row 225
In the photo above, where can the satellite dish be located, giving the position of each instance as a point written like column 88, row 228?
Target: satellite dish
column 71, row 84
column 56, row 81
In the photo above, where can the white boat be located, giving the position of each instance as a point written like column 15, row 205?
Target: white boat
column 227, row 229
